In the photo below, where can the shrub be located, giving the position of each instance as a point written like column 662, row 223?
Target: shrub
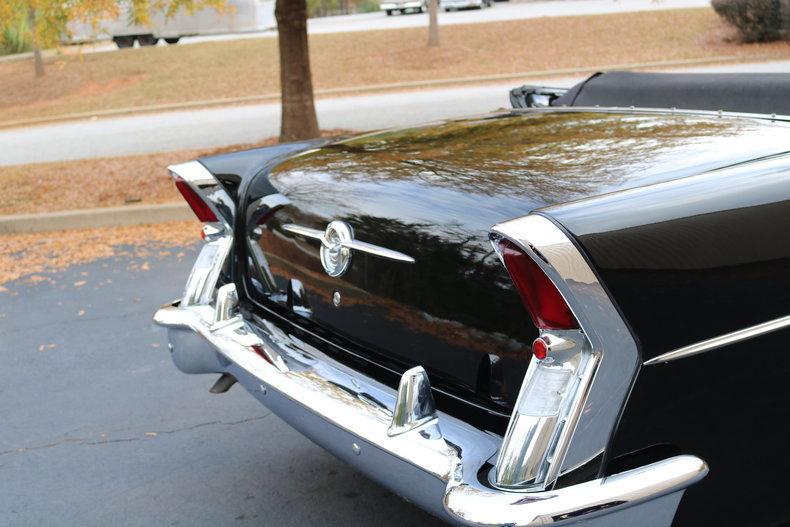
column 15, row 37
column 756, row 20
column 319, row 8
column 367, row 6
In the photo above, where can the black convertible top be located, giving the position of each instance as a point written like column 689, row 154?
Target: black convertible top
column 766, row 93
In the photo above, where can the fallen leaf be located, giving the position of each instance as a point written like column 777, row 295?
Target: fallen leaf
column 155, row 345
column 145, row 267
column 41, row 348
column 80, row 312
column 151, row 434
column 39, row 253
column 80, row 283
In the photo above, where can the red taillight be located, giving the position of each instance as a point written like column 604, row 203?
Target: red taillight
column 199, row 207
column 541, row 298
column 540, row 348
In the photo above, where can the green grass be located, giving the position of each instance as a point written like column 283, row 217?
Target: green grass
column 15, row 38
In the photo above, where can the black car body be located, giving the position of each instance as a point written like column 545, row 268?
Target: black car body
column 544, row 315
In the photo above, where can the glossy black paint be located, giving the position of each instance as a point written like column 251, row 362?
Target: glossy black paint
column 695, row 258
column 685, row 258
column 687, row 261
column 433, row 193
column 730, row 408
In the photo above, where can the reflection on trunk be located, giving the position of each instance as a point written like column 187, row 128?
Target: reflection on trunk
column 433, row 193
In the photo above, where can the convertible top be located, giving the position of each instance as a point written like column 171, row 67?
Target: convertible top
column 766, row 93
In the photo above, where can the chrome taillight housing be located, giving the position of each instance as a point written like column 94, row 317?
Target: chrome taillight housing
column 584, row 362
column 213, row 206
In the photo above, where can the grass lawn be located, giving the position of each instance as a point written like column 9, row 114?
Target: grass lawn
column 138, row 77
column 87, row 183
column 100, row 182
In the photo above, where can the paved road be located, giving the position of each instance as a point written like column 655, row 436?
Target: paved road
column 503, row 11
column 234, row 125
column 225, row 126
column 101, row 429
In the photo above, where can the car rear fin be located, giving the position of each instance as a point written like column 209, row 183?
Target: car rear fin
column 577, row 382
column 214, row 207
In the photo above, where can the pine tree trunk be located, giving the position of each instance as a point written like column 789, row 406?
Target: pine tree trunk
column 38, row 61
column 433, row 22
column 299, row 120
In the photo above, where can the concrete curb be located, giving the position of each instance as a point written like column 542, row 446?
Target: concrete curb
column 25, row 55
column 16, row 57
column 90, row 218
column 372, row 88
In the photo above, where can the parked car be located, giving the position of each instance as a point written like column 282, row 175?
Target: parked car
column 573, row 311
column 238, row 16
column 403, row 6
column 453, row 5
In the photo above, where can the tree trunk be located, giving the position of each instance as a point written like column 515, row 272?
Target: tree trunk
column 37, row 59
column 299, row 120
column 433, row 22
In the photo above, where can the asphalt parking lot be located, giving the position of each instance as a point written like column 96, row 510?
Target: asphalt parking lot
column 99, row 428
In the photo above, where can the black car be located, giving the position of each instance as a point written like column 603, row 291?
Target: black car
column 573, row 311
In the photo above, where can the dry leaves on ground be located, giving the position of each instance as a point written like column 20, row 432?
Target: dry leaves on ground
column 26, row 254
column 102, row 182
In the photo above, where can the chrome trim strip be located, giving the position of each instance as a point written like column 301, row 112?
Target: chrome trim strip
column 307, row 232
column 375, row 250
column 356, row 245
column 611, row 348
column 721, row 341
column 652, row 111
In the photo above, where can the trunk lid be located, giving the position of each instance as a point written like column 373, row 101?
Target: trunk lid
column 433, row 193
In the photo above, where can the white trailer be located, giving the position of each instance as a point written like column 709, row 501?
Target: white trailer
column 240, row 16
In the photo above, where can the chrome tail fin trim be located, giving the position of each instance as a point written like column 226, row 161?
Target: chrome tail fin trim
column 201, row 287
column 600, row 367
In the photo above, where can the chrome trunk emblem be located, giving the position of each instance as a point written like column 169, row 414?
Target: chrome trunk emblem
column 337, row 242
column 335, row 257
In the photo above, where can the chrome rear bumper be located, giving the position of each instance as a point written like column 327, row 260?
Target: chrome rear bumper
column 398, row 439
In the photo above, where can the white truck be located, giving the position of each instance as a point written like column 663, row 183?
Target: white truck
column 239, row 16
